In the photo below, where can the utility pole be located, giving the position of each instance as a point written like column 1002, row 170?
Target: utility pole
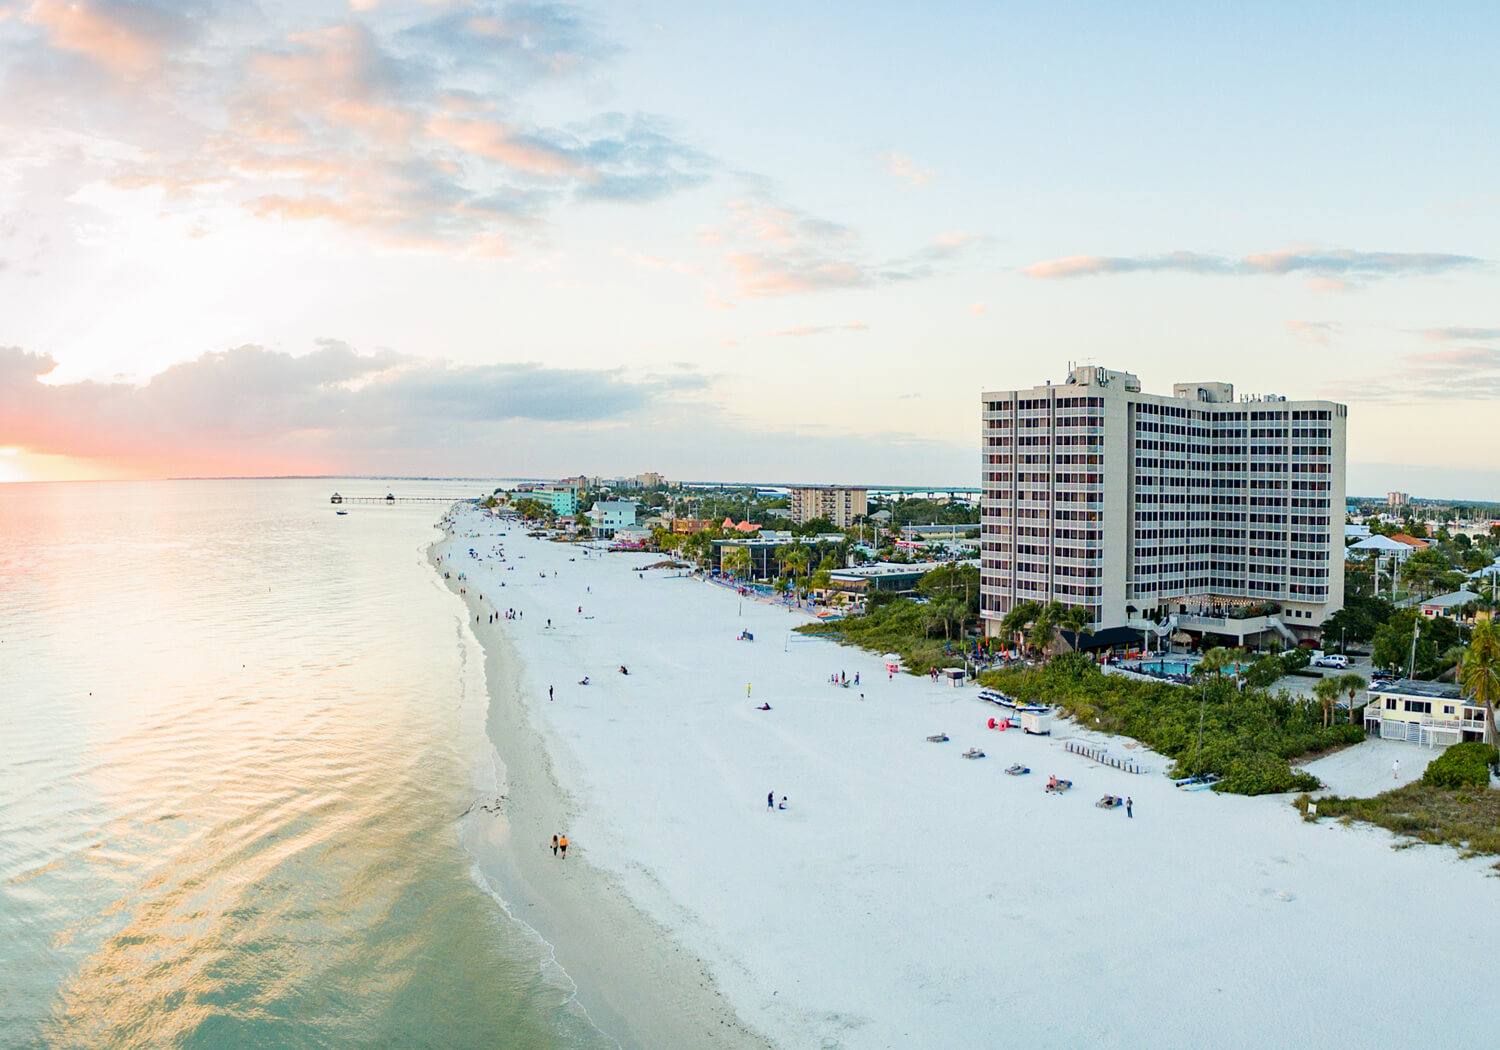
column 1416, row 627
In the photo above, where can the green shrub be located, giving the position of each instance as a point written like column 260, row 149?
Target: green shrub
column 1295, row 659
column 1462, row 765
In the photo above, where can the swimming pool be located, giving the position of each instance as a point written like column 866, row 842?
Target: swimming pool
column 1165, row 667
column 1181, row 667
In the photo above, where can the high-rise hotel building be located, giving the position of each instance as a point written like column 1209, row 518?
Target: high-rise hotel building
column 1197, row 508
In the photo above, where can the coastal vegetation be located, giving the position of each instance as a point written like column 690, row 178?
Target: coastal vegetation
column 926, row 631
column 914, row 510
column 1452, row 805
column 1248, row 736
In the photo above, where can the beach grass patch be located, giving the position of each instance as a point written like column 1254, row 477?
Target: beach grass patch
column 1468, row 821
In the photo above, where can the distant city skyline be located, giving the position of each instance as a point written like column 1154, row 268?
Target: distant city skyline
column 451, row 238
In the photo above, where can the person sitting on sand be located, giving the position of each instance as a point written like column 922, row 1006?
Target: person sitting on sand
column 782, row 804
column 584, row 680
column 624, row 669
column 764, row 707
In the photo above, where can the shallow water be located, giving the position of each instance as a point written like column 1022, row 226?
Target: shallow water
column 236, row 733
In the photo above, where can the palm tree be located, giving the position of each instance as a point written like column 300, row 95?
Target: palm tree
column 781, row 554
column 736, row 559
column 797, row 561
column 1479, row 673
column 1214, row 661
column 1078, row 621
column 1015, row 622
column 1043, row 625
column 1327, row 692
column 1351, row 683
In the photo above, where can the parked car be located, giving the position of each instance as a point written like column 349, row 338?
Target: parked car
column 1330, row 660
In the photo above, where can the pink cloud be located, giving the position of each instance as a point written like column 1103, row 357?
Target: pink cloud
column 85, row 30
column 761, row 275
column 907, row 170
column 498, row 141
column 1443, row 335
column 1319, row 332
column 1459, row 357
column 1329, row 285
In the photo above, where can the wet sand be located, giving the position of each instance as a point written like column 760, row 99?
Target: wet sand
column 634, row 980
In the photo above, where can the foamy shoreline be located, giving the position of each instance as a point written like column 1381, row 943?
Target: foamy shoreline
column 908, row 897
column 628, row 975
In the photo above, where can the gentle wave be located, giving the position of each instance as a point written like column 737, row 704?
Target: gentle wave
column 237, row 733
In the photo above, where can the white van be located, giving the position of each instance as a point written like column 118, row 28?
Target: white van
column 1330, row 660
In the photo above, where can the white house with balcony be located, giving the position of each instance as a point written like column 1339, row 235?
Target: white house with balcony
column 1431, row 713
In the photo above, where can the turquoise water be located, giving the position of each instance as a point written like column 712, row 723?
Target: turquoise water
column 1180, row 667
column 1165, row 667
column 238, row 731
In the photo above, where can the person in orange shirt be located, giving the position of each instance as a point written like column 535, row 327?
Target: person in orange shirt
column 562, row 844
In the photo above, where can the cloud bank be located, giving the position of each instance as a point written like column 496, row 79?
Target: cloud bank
column 325, row 410
column 408, row 125
column 1326, row 264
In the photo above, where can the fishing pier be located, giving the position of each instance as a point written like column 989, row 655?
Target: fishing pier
column 392, row 499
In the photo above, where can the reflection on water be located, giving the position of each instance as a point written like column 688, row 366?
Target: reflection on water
column 237, row 731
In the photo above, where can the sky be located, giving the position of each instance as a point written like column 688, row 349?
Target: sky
column 774, row 242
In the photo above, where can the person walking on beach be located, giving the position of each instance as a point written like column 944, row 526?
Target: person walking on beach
column 770, row 801
column 1128, row 804
column 549, row 692
column 554, row 845
column 563, row 845
column 1396, row 770
column 747, row 690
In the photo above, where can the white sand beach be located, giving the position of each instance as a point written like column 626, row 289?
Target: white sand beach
column 907, row 897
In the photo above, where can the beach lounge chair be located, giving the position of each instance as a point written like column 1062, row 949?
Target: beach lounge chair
column 1110, row 802
column 1017, row 770
column 973, row 752
column 1057, row 787
column 938, row 738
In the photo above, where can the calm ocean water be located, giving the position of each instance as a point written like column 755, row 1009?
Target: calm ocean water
column 236, row 732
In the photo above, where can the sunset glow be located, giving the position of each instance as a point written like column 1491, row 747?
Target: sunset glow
column 681, row 239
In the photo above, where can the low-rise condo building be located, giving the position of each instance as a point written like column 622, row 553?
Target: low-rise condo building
column 840, row 504
column 562, row 498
